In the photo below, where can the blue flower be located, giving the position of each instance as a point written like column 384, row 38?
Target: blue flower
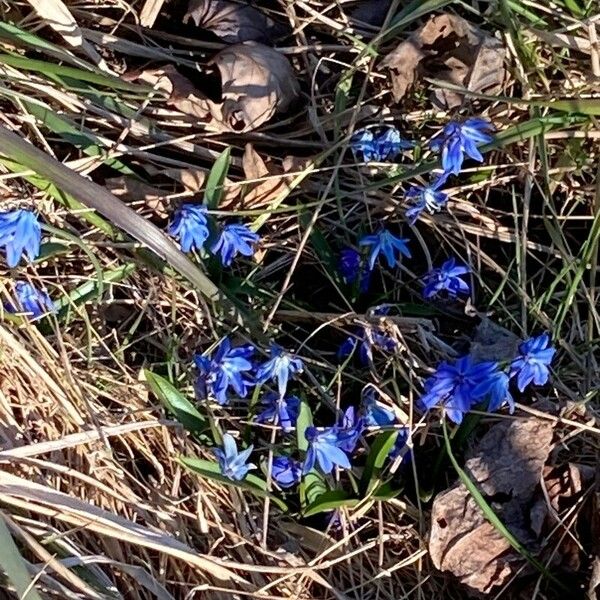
column 351, row 270
column 458, row 139
column 286, row 471
column 366, row 339
column 378, row 147
column 455, row 387
column 228, row 367
column 350, row 430
column 286, row 410
column 535, row 355
column 324, row 449
column 234, row 239
column 20, row 232
column 446, row 277
column 31, row 300
column 231, row 462
column 375, row 414
column 425, row 198
column 190, row 225
column 279, row 367
column 496, row 385
column 400, row 444
column 386, row 243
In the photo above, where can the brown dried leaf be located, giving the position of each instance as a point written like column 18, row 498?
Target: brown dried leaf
column 232, row 22
column 257, row 82
column 506, row 466
column 451, row 49
column 130, row 189
column 493, row 342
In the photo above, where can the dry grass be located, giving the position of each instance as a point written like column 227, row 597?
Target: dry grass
column 90, row 485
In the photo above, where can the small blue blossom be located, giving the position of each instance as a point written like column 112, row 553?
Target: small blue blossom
column 378, row 147
column 458, row 139
column 20, row 232
column 352, row 270
column 535, row 356
column 228, row 367
column 285, row 409
column 386, row 243
column 496, row 386
column 425, row 198
column 350, row 430
column 399, row 447
column 234, row 239
column 286, row 471
column 454, row 386
column 190, row 225
column 31, row 300
column 366, row 339
column 374, row 413
column 324, row 449
column 446, row 278
column 281, row 366
column 231, row 462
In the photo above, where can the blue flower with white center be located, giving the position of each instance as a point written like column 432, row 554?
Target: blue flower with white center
column 446, row 278
column 228, row 367
column 234, row 239
column 425, row 198
column 286, row 471
column 454, row 386
column 535, row 356
column 284, row 410
column 190, row 225
column 231, row 462
column 378, row 147
column 280, row 367
column 324, row 449
column 458, row 139
column 496, row 388
column 30, row 300
column 374, row 413
column 350, row 430
column 387, row 244
column 20, row 233
column 351, row 269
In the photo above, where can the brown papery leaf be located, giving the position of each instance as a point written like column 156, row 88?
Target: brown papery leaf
column 257, row 82
column 231, row 21
column 506, row 467
column 452, row 49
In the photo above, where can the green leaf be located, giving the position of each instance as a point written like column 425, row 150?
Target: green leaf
column 380, row 450
column 175, row 402
column 14, row 566
column 329, row 500
column 214, row 184
column 312, row 486
column 386, row 492
column 251, row 483
column 304, row 420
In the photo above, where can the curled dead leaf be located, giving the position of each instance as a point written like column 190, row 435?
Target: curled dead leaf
column 451, row 49
column 506, row 467
column 232, row 22
column 257, row 82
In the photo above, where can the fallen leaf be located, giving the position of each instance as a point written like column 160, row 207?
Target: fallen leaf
column 451, row 49
column 594, row 585
column 260, row 193
column 257, row 82
column 150, row 11
column 506, row 467
column 130, row 189
column 493, row 342
column 232, row 22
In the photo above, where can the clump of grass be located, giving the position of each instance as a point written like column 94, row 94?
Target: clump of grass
column 92, row 489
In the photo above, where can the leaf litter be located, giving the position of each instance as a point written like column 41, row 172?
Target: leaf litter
column 451, row 49
column 507, row 466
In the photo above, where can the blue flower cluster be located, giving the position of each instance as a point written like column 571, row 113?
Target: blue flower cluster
column 192, row 225
column 378, row 146
column 460, row 386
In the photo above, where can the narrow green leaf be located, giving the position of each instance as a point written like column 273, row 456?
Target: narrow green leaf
column 214, row 184
column 251, row 483
column 14, row 566
column 329, row 500
column 304, row 420
column 176, row 403
column 312, row 486
column 378, row 453
column 386, row 492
